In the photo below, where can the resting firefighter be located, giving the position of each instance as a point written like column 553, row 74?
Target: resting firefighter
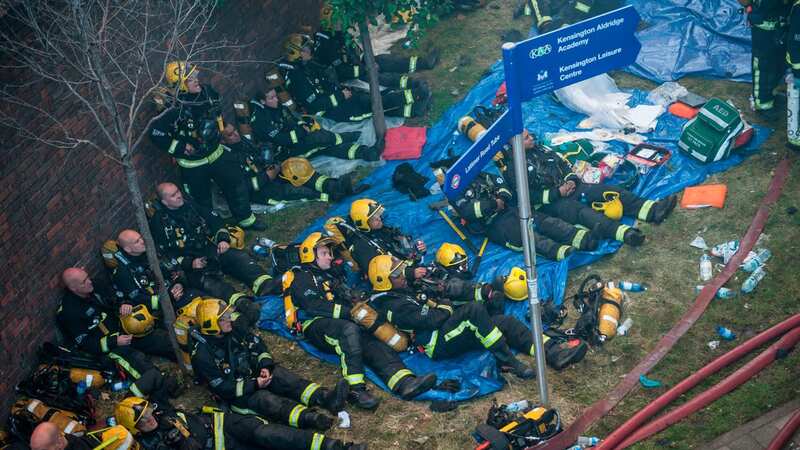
column 240, row 371
column 557, row 191
column 324, row 305
column 160, row 427
column 434, row 324
column 488, row 207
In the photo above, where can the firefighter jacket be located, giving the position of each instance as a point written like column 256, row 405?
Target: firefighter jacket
column 477, row 205
column 319, row 293
column 178, row 430
column 310, row 87
column 136, row 283
column 276, row 125
column 412, row 312
column 188, row 232
column 769, row 14
column 89, row 323
column 230, row 364
column 547, row 170
column 331, row 49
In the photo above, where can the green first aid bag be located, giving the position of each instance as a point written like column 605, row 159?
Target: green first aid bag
column 710, row 135
column 579, row 150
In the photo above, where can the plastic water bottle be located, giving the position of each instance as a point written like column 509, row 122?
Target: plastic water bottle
column 723, row 292
column 266, row 242
column 622, row 330
column 725, row 333
column 261, row 251
column 752, row 281
column 631, row 286
column 586, row 441
column 111, row 421
column 81, row 388
column 517, row 406
column 583, row 198
column 706, row 270
column 754, row 260
column 120, row 386
column 725, row 250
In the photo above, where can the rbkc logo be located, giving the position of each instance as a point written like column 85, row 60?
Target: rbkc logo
column 455, row 181
column 540, row 51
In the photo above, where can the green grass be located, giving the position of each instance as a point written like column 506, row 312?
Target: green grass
column 665, row 262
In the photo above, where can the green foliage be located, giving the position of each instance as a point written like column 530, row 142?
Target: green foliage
column 423, row 13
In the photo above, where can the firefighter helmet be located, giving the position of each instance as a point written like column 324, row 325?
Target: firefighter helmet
column 516, row 285
column 294, row 44
column 381, row 269
column 296, row 171
column 237, row 237
column 139, row 322
column 118, row 438
column 309, row 245
column 451, row 255
column 129, row 412
column 177, row 72
column 209, row 311
column 611, row 205
column 362, row 210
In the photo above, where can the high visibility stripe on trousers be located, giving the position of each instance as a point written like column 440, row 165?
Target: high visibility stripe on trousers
column 399, row 375
column 620, row 235
column 305, row 397
column 644, row 211
column 259, row 281
column 352, row 379
column 294, row 415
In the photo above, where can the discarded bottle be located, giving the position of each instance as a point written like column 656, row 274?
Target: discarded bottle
column 752, row 281
column 583, row 198
column 517, row 406
column 631, row 286
column 266, row 242
column 725, row 333
column 754, row 260
column 706, row 270
column 622, row 330
column 261, row 250
column 111, row 421
column 82, row 387
column 725, row 250
column 120, row 386
column 723, row 292
column 588, row 441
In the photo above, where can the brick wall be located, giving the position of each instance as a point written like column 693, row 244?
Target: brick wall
column 57, row 206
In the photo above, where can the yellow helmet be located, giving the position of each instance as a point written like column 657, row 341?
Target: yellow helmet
column 129, row 412
column 294, row 44
column 309, row 245
column 209, row 312
column 177, row 72
column 381, row 269
column 362, row 210
column 516, row 285
column 611, row 206
column 118, row 438
column 326, row 16
column 451, row 255
column 139, row 322
column 237, row 237
column 296, row 171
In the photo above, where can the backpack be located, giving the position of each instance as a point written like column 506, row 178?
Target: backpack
column 710, row 135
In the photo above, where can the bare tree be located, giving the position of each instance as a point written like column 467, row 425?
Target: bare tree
column 106, row 57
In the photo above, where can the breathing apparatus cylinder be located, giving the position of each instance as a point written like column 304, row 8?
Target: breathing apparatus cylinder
column 92, row 378
column 610, row 311
column 471, row 128
column 66, row 421
column 366, row 316
column 182, row 326
column 792, row 112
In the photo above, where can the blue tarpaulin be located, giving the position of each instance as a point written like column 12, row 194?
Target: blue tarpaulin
column 476, row 370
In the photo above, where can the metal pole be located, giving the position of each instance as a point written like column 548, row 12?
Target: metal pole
column 525, row 220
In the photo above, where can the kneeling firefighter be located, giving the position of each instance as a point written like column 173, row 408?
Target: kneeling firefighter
column 324, row 305
column 442, row 331
column 241, row 371
column 159, row 427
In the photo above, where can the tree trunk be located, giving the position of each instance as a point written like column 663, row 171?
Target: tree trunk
column 164, row 299
column 378, row 119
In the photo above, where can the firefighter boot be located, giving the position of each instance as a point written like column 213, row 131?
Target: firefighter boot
column 413, row 386
column 506, row 359
column 361, row 398
column 334, row 399
column 315, row 420
column 634, row 237
column 662, row 209
column 430, row 60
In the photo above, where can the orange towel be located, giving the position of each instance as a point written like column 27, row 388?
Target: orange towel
column 705, row 195
column 683, row 110
column 404, row 143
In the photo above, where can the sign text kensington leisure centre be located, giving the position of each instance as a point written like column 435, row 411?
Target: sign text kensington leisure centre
column 580, row 39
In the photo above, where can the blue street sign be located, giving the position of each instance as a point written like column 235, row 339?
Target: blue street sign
column 543, row 64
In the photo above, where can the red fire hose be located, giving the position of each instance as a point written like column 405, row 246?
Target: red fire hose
column 786, row 432
column 775, row 351
column 693, row 380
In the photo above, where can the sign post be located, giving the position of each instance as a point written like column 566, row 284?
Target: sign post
column 534, row 67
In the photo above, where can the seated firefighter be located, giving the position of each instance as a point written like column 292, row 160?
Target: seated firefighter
column 440, row 329
column 274, row 123
column 332, row 50
column 158, row 426
column 488, row 207
column 47, row 436
column 324, row 306
column 89, row 322
column 189, row 131
column 240, row 371
column 137, row 285
column 557, row 191
column 292, row 179
column 310, row 86
column 197, row 240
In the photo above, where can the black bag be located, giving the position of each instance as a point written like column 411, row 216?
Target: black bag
column 406, row 180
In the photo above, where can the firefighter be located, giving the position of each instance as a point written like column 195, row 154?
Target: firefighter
column 189, row 131
column 310, row 87
column 488, row 208
column 324, row 302
column 442, row 331
column 272, row 122
column 134, row 279
column 793, row 60
column 158, row 427
column 197, row 239
column 549, row 15
column 556, row 191
column 241, row 371
column 767, row 19
column 47, row 436
column 88, row 321
column 452, row 279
